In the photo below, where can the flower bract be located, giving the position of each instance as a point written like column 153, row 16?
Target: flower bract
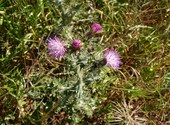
column 96, row 27
column 76, row 43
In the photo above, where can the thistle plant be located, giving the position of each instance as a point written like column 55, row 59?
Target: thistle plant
column 85, row 65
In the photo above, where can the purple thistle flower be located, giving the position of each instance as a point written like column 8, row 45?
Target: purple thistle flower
column 56, row 48
column 112, row 59
column 96, row 27
column 76, row 43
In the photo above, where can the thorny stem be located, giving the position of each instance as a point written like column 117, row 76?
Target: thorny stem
column 81, row 84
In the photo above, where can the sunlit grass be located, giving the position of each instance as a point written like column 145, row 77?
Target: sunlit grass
column 37, row 89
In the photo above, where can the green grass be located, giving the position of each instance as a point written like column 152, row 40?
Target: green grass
column 37, row 89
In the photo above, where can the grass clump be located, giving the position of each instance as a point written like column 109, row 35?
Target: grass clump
column 35, row 88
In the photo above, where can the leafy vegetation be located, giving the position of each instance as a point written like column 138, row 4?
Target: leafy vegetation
column 35, row 88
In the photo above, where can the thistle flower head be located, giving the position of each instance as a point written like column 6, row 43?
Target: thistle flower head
column 112, row 59
column 56, row 48
column 76, row 43
column 96, row 27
